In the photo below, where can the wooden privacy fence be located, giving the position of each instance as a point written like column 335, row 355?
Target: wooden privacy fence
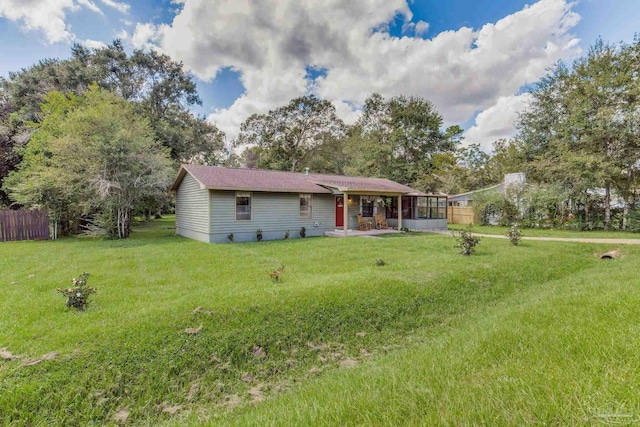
column 460, row 215
column 24, row 225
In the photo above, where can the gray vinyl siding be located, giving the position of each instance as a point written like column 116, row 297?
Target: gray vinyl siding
column 273, row 213
column 192, row 213
column 195, row 235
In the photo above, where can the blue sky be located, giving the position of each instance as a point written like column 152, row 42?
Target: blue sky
column 332, row 52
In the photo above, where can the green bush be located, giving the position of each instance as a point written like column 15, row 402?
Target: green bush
column 259, row 235
column 466, row 241
column 514, row 234
column 78, row 294
column 490, row 204
column 303, row 232
column 230, row 237
column 633, row 224
column 285, row 236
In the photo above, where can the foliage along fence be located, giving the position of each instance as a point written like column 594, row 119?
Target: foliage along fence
column 460, row 215
column 24, row 225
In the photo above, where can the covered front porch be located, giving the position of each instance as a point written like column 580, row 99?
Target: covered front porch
column 378, row 205
column 363, row 213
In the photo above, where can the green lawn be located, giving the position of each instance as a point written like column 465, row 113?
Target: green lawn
column 548, row 232
column 541, row 333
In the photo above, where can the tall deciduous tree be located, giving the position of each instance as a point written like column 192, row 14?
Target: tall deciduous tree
column 37, row 183
column 582, row 128
column 290, row 136
column 398, row 139
column 158, row 87
column 9, row 157
column 91, row 155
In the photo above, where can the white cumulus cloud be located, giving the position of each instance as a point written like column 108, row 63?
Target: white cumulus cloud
column 271, row 44
column 49, row 16
column 119, row 6
column 418, row 29
column 44, row 15
column 90, row 5
column 496, row 122
column 145, row 36
column 93, row 44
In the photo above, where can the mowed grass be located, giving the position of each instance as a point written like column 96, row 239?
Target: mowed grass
column 540, row 333
column 548, row 232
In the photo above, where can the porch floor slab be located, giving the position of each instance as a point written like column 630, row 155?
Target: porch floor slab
column 360, row 233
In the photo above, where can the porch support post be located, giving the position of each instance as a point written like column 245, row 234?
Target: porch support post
column 345, row 211
column 400, row 212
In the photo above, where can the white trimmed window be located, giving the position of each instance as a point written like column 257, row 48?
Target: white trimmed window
column 243, row 206
column 306, row 206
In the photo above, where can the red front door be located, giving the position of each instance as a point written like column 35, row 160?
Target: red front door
column 339, row 211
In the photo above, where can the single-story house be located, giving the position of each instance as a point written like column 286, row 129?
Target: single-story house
column 213, row 202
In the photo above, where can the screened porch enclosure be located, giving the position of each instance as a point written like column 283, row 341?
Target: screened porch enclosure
column 418, row 207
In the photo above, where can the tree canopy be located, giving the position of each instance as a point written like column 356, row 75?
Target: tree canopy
column 289, row 137
column 399, row 138
column 157, row 87
column 582, row 127
column 93, row 156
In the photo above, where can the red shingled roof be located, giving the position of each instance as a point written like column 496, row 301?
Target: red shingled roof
column 219, row 178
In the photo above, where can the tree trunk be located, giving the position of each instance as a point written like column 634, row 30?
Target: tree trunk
column 607, row 206
column 586, row 210
column 627, row 201
column 124, row 223
column 127, row 224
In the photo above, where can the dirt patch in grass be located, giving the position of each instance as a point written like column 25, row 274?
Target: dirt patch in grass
column 122, row 416
column 34, row 361
column 7, row 355
column 194, row 331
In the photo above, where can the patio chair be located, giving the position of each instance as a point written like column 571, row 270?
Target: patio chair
column 363, row 224
column 380, row 221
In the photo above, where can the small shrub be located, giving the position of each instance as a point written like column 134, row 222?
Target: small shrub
column 514, row 234
column 303, row 232
column 230, row 237
column 78, row 294
column 634, row 221
column 466, row 241
column 404, row 229
column 380, row 262
column 275, row 274
column 285, row 236
column 259, row 235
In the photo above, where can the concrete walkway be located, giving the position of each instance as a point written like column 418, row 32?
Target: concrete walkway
column 569, row 239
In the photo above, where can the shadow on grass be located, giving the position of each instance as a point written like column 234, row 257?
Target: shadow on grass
column 397, row 235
